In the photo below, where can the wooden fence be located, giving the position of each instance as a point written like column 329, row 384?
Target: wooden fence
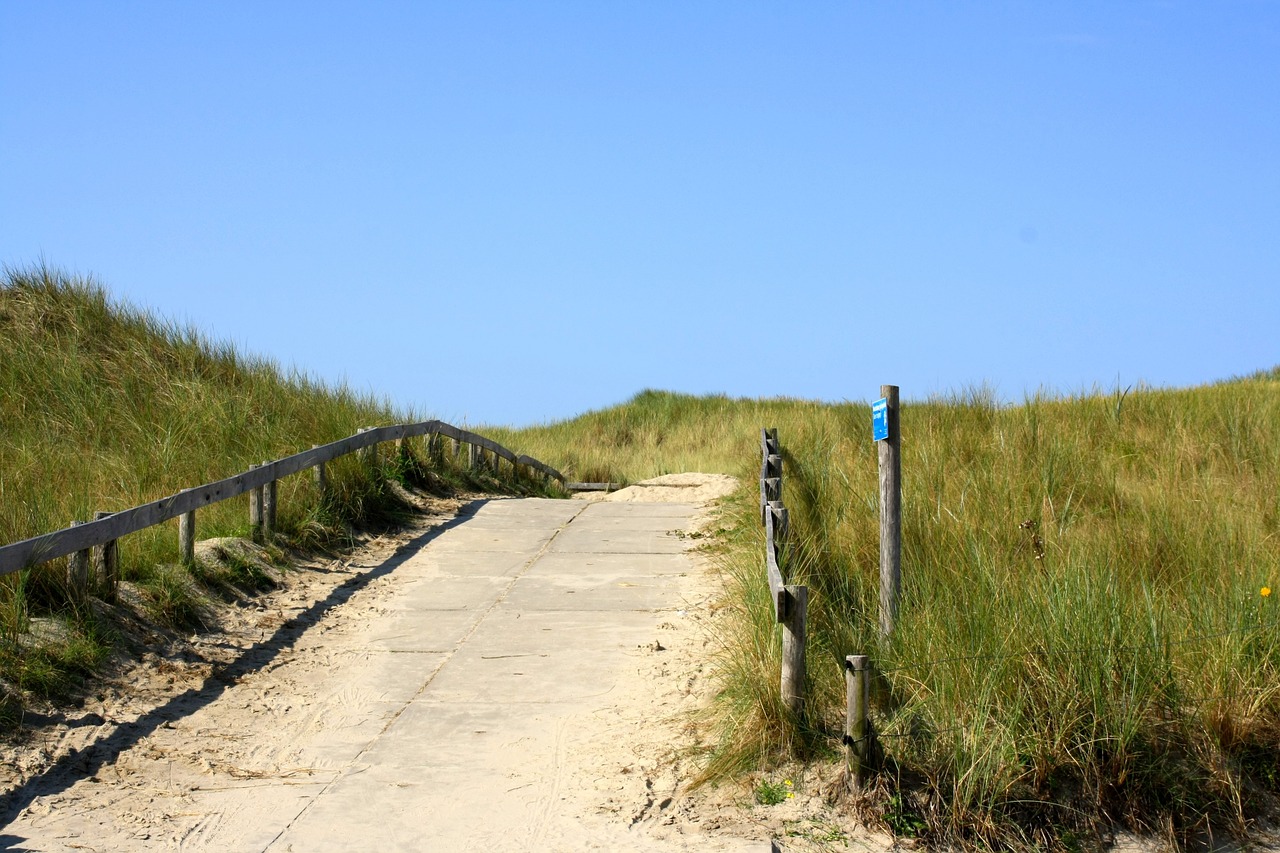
column 259, row 482
column 790, row 603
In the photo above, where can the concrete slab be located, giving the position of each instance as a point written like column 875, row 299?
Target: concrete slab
column 475, row 539
column 499, row 513
column 422, row 631
column 382, row 676
column 611, row 509
column 457, row 563
column 443, row 592
column 523, row 658
column 594, row 592
column 584, row 540
column 622, row 565
column 656, row 523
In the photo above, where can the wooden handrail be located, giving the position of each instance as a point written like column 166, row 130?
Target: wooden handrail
column 79, row 537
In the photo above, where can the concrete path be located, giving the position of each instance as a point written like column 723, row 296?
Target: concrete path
column 481, row 690
column 511, row 628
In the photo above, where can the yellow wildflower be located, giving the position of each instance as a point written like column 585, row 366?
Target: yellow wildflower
column 1265, row 591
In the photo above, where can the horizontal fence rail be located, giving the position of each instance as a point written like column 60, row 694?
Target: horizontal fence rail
column 108, row 528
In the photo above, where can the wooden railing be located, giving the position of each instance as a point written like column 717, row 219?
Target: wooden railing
column 259, row 481
column 790, row 602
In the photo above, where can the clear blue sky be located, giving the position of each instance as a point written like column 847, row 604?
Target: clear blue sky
column 515, row 212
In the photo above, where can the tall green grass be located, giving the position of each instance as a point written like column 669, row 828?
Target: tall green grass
column 1084, row 639
column 104, row 406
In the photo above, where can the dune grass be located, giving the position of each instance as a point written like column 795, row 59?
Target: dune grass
column 103, row 407
column 1087, row 638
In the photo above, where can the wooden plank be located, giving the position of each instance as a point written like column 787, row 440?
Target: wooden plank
column 592, row 487
column 776, row 587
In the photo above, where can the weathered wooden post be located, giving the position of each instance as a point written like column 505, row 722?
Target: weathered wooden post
column 107, row 565
column 255, row 507
column 370, row 453
column 322, row 482
column 78, row 572
column 187, row 537
column 770, row 469
column 268, row 506
column 793, row 641
column 857, row 729
column 473, row 452
column 887, row 435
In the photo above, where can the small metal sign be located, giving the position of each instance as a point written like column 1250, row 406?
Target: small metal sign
column 880, row 419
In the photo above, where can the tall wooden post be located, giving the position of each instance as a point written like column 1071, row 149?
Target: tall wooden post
column 890, row 515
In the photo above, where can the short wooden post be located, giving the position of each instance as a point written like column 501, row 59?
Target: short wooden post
column 187, row 537
column 78, row 572
column 107, row 565
column 857, row 729
column 370, row 453
column 793, row 642
column 255, row 506
column 457, row 448
column 473, row 452
column 890, row 515
column 322, row 483
column 269, row 507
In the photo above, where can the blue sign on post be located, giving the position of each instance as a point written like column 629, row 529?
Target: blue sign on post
column 880, row 419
